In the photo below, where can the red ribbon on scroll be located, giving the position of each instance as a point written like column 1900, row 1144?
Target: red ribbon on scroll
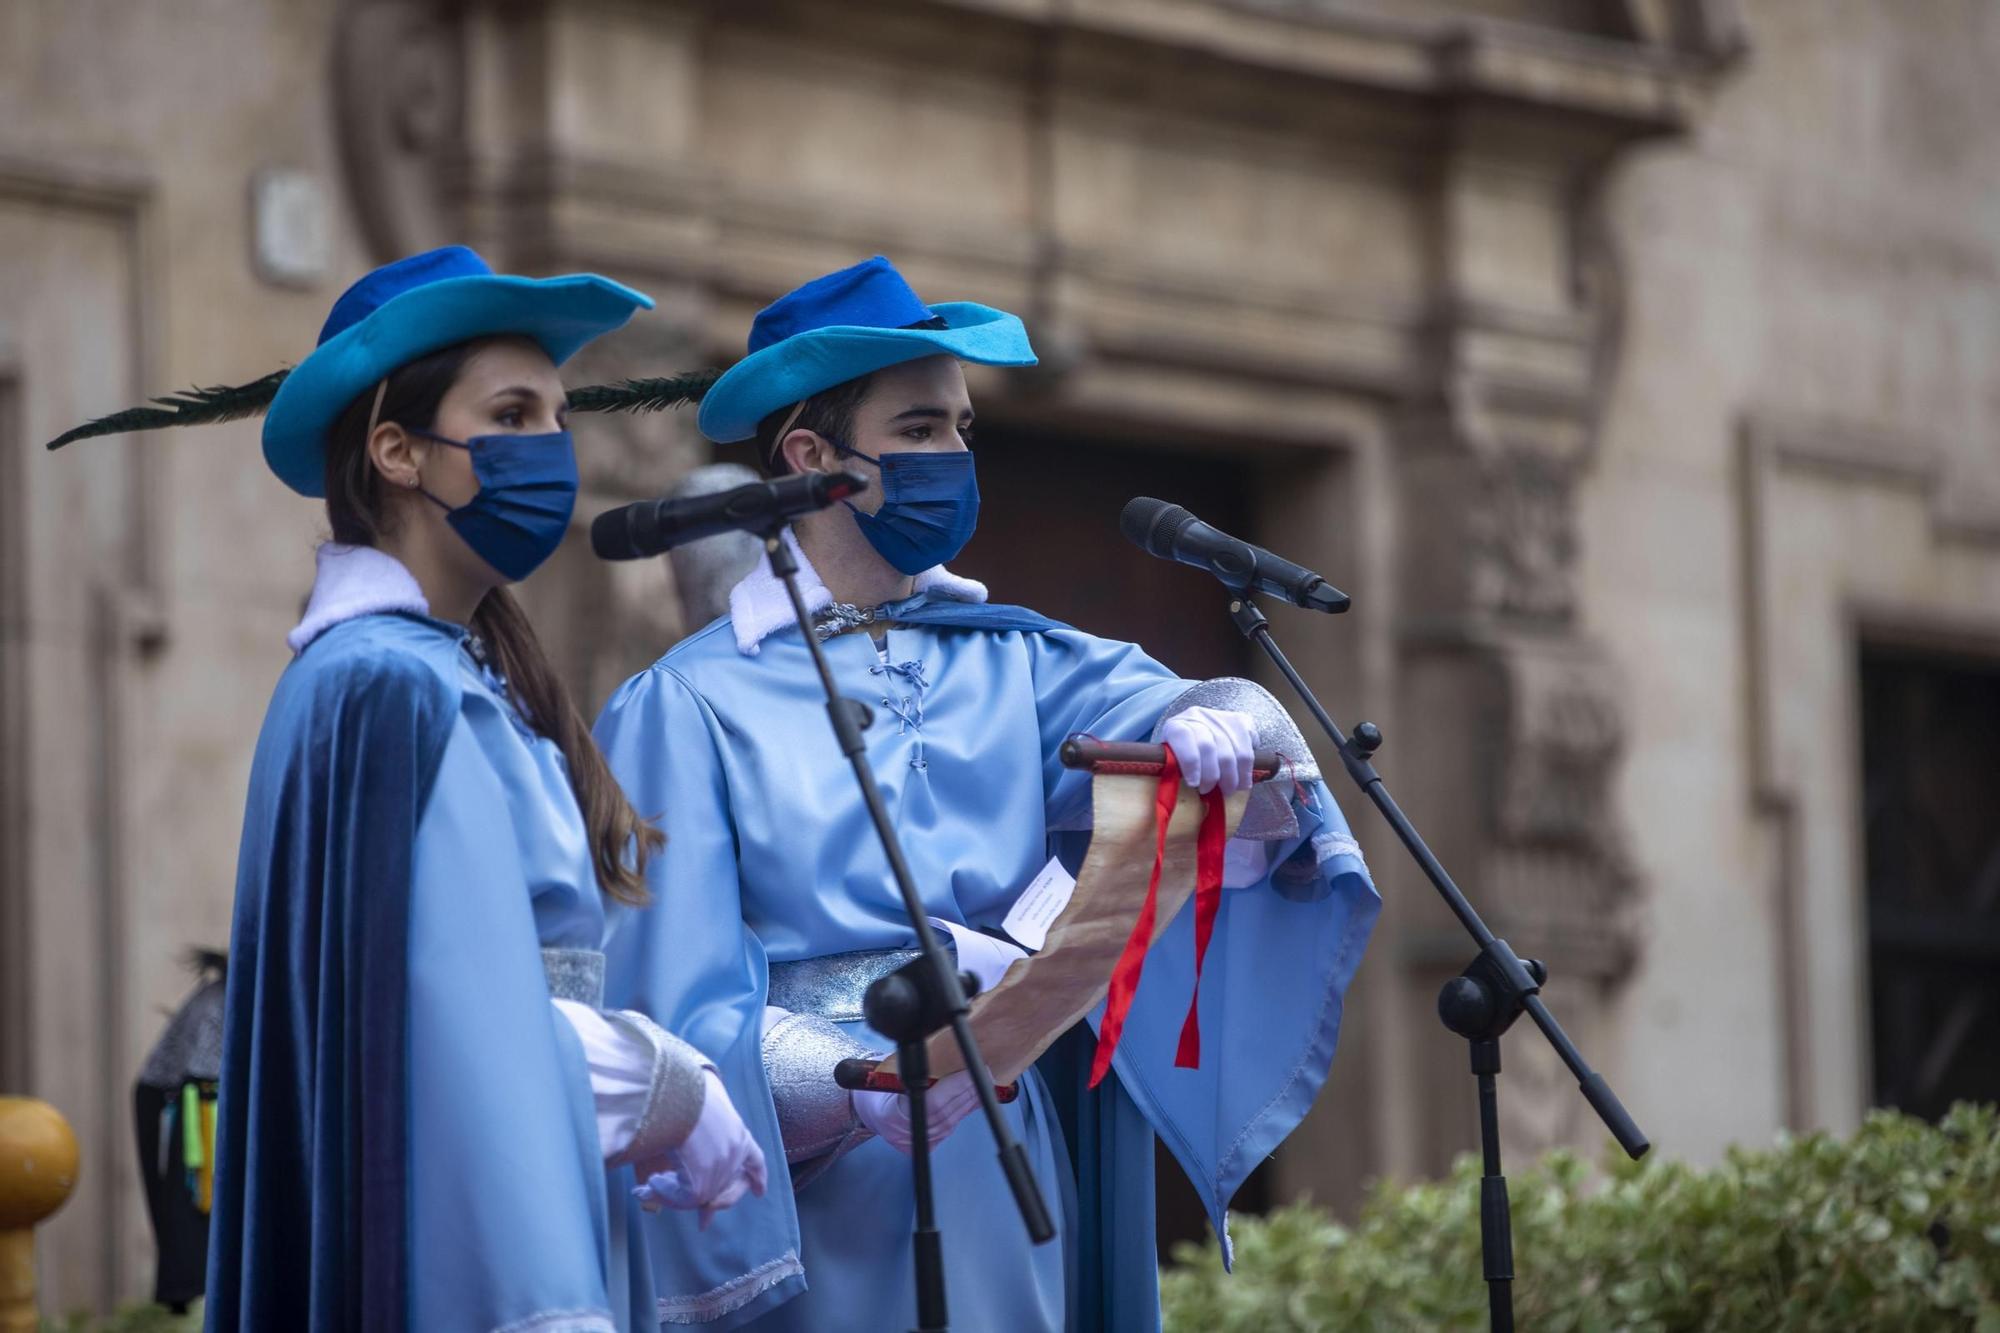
column 1209, row 840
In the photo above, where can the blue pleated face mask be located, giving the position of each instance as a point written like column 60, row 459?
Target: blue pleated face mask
column 527, row 492
column 930, row 505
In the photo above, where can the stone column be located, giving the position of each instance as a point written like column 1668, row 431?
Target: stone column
column 1511, row 776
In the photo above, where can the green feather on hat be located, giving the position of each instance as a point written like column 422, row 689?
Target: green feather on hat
column 220, row 403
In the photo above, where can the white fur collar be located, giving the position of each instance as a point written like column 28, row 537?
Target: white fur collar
column 355, row 581
column 759, row 608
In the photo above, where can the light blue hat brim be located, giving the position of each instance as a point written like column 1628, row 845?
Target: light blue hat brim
column 560, row 314
column 808, row 363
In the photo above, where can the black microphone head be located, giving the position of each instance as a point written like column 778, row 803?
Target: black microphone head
column 1152, row 525
column 1325, row 597
column 611, row 535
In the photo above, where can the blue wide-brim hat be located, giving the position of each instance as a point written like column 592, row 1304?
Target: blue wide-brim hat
column 841, row 327
column 414, row 307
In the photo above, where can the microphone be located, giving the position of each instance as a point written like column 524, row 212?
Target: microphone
column 1172, row 533
column 649, row 527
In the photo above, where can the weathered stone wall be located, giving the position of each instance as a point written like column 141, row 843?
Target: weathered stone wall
column 147, row 584
column 1800, row 449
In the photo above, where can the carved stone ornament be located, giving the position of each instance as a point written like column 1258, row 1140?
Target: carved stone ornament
column 1559, row 866
column 1564, row 734
column 398, row 84
column 1524, row 544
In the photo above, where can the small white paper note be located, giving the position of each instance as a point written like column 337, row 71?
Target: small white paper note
column 1029, row 919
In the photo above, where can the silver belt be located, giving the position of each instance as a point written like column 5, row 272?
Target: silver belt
column 575, row 974
column 831, row 986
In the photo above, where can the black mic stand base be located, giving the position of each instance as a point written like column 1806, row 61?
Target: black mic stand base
column 913, row 1060
column 1477, row 1005
column 907, row 1007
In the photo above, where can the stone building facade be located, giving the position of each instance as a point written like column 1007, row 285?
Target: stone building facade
column 1632, row 362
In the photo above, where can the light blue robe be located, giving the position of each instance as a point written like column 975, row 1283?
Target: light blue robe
column 407, row 1135
column 503, row 823
column 771, row 857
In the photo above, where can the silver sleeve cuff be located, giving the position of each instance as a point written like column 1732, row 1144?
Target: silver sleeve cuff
column 575, row 974
column 675, row 1101
column 815, row 1115
column 1269, row 816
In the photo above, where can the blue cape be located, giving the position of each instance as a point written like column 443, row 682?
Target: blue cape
column 406, row 1134
column 308, row 1228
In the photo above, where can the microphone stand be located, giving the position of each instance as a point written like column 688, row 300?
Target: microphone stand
column 1479, row 1004
column 918, row 998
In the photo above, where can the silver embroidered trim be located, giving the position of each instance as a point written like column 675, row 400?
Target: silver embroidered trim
column 674, row 1103
column 841, row 617
column 815, row 1114
column 562, row 1321
column 1269, row 816
column 575, row 974
column 1329, row 843
column 831, row 986
column 1301, row 877
column 731, row 1295
column 806, row 1172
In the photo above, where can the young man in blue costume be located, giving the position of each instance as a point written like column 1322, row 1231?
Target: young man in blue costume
column 427, row 1120
column 776, row 906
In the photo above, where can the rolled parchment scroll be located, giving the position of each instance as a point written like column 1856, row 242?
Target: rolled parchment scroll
column 1043, row 996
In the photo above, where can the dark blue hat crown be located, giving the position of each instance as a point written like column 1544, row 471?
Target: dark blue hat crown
column 377, row 288
column 843, row 326
column 870, row 294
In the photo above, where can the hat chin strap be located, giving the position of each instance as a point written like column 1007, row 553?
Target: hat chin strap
column 375, row 412
column 778, row 440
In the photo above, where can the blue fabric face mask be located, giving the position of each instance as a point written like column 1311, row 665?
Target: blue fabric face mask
column 527, row 491
column 930, row 505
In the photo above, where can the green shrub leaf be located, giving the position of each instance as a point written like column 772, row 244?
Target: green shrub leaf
column 1896, row 1228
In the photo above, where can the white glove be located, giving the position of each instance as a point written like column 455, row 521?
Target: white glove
column 981, row 954
column 1214, row 746
column 949, row 1100
column 713, row 1167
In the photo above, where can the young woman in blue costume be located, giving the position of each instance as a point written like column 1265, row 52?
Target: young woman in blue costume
column 779, row 907
column 427, row 1121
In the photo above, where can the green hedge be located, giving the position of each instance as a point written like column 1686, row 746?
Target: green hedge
column 130, row 1319
column 1897, row 1228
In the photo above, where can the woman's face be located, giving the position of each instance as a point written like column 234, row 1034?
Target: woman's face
column 508, row 386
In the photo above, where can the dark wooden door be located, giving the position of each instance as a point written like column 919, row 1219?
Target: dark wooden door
column 1048, row 539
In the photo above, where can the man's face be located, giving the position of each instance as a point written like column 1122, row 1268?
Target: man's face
column 914, row 407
